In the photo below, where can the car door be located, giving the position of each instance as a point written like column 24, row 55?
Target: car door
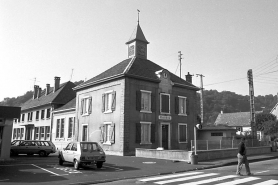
column 72, row 152
column 66, row 152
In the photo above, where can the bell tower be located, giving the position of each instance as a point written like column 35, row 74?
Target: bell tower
column 137, row 44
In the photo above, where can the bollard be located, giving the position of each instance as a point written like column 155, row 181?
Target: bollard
column 194, row 158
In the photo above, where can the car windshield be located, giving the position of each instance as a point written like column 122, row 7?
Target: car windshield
column 89, row 147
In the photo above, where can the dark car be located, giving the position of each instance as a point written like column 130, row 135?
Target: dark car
column 43, row 148
column 82, row 153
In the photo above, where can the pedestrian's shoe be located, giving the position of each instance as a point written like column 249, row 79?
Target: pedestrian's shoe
column 250, row 174
column 239, row 174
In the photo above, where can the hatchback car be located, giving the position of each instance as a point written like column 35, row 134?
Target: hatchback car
column 82, row 153
column 43, row 148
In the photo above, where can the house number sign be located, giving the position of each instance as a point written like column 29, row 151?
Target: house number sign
column 164, row 117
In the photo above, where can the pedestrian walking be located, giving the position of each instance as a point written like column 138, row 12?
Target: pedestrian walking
column 242, row 158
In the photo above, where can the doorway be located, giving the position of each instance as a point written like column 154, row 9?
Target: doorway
column 165, row 136
column 29, row 133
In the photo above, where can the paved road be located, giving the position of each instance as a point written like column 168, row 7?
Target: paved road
column 265, row 173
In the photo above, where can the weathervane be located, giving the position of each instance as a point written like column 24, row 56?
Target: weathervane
column 138, row 16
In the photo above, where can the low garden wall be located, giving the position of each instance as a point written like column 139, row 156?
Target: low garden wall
column 203, row 155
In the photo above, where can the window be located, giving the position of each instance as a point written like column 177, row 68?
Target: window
column 47, row 131
column 71, row 127
column 86, row 106
column 145, row 133
column 42, row 114
column 42, row 133
column 18, row 133
column 22, row 117
column 60, row 128
column 109, row 101
column 36, row 133
column 30, row 115
column 107, row 135
column 145, row 101
column 37, row 115
column 69, row 146
column 165, row 103
column 48, row 113
column 74, row 147
column 182, row 133
column 14, row 133
column 217, row 134
column 181, row 105
column 84, row 132
column 22, row 133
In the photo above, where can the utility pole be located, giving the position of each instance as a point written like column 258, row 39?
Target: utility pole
column 180, row 61
column 252, row 104
column 201, row 97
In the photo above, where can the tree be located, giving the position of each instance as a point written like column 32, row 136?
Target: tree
column 264, row 120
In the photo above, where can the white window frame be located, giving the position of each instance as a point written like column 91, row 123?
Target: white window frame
column 87, row 139
column 185, row 108
column 86, row 105
column 37, row 114
column 161, row 103
column 49, row 113
column 149, row 109
column 42, row 134
column 47, row 134
column 183, row 124
column 145, row 124
column 60, row 128
column 108, row 95
column 107, row 127
column 37, row 132
column 72, row 129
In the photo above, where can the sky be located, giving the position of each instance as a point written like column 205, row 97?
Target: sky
column 77, row 40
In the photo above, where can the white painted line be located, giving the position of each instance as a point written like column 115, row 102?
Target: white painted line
column 239, row 181
column 210, row 180
column 169, row 176
column 186, row 178
column 118, row 169
column 263, row 171
column 48, row 170
column 269, row 182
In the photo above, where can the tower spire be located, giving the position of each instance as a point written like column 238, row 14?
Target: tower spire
column 138, row 16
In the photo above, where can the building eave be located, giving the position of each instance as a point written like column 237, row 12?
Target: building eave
column 187, row 86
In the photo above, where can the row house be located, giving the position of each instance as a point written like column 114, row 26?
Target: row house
column 136, row 104
column 35, row 122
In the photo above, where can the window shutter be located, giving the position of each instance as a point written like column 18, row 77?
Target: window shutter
column 90, row 105
column 187, row 106
column 103, row 103
column 138, row 100
column 113, row 108
column 153, row 102
column 138, row 133
column 101, row 133
column 81, row 108
column 152, row 133
column 177, row 106
column 112, row 133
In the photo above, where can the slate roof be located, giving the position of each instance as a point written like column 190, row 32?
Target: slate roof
column 237, row 119
column 70, row 105
column 137, row 68
column 137, row 35
column 64, row 94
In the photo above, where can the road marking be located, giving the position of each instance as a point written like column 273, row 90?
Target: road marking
column 5, row 180
column 210, row 180
column 49, row 171
column 269, row 182
column 263, row 171
column 118, row 169
column 169, row 176
column 186, row 178
column 239, row 181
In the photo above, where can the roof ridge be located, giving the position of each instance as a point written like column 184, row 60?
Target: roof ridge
column 129, row 65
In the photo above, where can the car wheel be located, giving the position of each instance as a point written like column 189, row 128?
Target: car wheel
column 61, row 161
column 42, row 153
column 76, row 164
column 99, row 164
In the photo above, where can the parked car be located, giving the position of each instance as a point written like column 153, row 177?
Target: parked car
column 82, row 153
column 43, row 148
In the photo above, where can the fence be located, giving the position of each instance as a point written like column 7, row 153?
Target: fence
column 225, row 144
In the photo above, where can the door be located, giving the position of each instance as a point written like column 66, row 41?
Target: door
column 165, row 136
column 28, row 133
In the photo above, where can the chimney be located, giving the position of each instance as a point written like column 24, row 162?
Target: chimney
column 56, row 83
column 47, row 89
column 39, row 92
column 188, row 78
column 35, row 91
